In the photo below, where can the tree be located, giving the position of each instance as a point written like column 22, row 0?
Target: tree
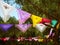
column 39, row 7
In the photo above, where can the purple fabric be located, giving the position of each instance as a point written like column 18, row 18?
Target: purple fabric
column 23, row 16
column 51, row 32
column 5, row 27
column 23, row 27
